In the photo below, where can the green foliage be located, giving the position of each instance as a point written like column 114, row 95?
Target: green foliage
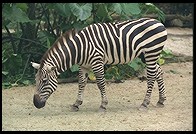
column 14, row 13
column 137, row 65
column 74, row 68
column 150, row 8
column 120, row 72
column 10, row 59
column 82, row 12
column 127, row 8
column 106, row 12
column 29, row 29
column 165, row 54
column 4, row 59
column 62, row 9
column 101, row 13
column 12, row 70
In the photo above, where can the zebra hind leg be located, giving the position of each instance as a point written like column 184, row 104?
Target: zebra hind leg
column 83, row 75
column 151, row 77
column 161, row 87
column 157, row 75
column 146, row 101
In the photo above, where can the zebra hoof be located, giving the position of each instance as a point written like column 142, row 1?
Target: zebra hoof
column 160, row 104
column 102, row 109
column 143, row 108
column 74, row 108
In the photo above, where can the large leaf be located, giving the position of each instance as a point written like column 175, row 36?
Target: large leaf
column 45, row 38
column 131, row 8
column 126, row 8
column 82, row 12
column 137, row 64
column 116, row 7
column 74, row 68
column 102, row 11
column 62, row 9
column 151, row 8
column 48, row 43
column 15, row 14
column 78, row 25
column 22, row 6
column 134, row 65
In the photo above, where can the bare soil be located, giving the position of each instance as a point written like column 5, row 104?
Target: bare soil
column 19, row 113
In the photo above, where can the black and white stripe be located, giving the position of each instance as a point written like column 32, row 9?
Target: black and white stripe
column 107, row 43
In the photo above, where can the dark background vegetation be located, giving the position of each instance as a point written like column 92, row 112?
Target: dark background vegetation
column 29, row 29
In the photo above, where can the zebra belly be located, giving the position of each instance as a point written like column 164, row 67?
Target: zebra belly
column 116, row 60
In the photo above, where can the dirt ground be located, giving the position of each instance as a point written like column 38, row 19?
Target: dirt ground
column 19, row 113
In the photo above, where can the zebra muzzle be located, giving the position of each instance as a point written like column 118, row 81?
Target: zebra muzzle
column 37, row 101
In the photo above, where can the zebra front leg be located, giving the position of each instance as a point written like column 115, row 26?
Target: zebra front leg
column 98, row 70
column 83, row 75
column 161, row 87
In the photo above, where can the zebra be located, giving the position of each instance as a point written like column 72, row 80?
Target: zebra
column 97, row 45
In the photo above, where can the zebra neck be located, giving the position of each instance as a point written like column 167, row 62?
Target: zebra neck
column 60, row 67
column 62, row 64
column 64, row 53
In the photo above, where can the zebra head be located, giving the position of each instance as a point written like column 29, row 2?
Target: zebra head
column 46, row 83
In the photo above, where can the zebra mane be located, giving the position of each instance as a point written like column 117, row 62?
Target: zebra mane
column 66, row 35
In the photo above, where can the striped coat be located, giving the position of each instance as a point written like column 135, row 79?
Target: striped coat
column 100, row 44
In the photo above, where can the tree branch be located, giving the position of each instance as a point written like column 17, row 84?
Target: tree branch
column 19, row 38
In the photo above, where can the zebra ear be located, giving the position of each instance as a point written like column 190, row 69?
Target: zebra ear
column 50, row 68
column 35, row 65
